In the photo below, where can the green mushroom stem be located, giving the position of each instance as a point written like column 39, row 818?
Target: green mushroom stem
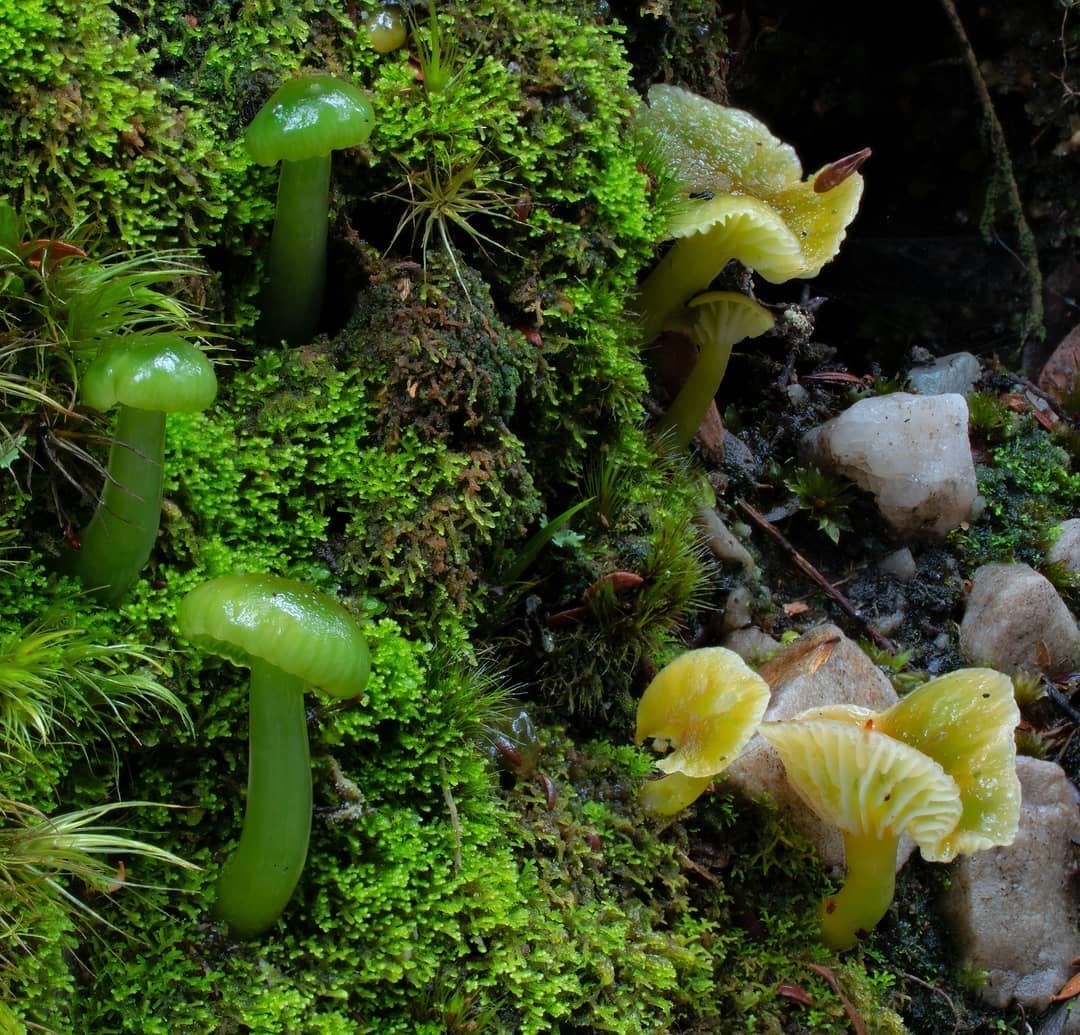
column 119, row 538
column 857, row 908
column 145, row 377
column 259, row 878
column 293, row 294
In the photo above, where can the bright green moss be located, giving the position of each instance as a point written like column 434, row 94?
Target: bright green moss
column 349, row 461
column 1029, row 486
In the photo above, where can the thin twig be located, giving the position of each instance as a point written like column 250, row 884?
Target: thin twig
column 875, row 634
column 934, row 988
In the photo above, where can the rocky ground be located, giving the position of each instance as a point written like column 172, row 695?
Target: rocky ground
column 906, row 471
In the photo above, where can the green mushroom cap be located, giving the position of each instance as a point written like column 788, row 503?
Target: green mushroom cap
column 160, row 372
column 307, row 118
column 283, row 622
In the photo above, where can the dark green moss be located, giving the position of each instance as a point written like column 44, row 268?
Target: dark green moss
column 1029, row 486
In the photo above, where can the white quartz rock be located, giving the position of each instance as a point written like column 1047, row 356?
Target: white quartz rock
column 910, row 451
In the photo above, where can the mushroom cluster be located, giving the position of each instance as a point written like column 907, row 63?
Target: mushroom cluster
column 938, row 766
column 741, row 197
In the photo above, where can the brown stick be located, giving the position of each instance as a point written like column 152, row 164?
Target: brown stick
column 759, row 519
column 1003, row 169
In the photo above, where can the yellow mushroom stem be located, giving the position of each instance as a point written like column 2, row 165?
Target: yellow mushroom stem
column 857, row 908
column 672, row 792
column 717, row 321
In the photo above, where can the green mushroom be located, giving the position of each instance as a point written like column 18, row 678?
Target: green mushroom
column 290, row 637
column 148, row 378
column 300, row 125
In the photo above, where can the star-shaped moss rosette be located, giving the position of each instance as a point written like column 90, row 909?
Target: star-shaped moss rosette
column 702, row 709
column 939, row 765
column 743, row 197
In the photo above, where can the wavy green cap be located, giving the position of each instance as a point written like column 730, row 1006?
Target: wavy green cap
column 308, row 118
column 284, row 623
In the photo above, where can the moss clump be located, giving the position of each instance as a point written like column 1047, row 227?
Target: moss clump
column 90, row 134
column 379, row 460
column 1029, row 486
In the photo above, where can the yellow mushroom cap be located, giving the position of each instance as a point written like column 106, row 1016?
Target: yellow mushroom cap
column 712, row 233
column 865, row 783
column 741, row 227
column 818, row 220
column 966, row 722
column 705, row 705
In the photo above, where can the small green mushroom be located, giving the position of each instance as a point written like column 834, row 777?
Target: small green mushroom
column 300, row 125
column 716, row 321
column 147, row 378
column 290, row 637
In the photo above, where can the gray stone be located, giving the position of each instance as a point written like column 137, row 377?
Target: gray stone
column 752, row 644
column 721, row 541
column 955, row 373
column 1065, row 549
column 901, row 564
column 1012, row 909
column 1015, row 621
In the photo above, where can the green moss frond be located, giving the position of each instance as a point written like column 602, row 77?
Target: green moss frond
column 56, row 678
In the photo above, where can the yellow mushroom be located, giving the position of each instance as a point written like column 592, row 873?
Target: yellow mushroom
column 716, row 321
column 702, row 708
column 965, row 721
column 743, row 197
column 962, row 725
column 874, row 789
